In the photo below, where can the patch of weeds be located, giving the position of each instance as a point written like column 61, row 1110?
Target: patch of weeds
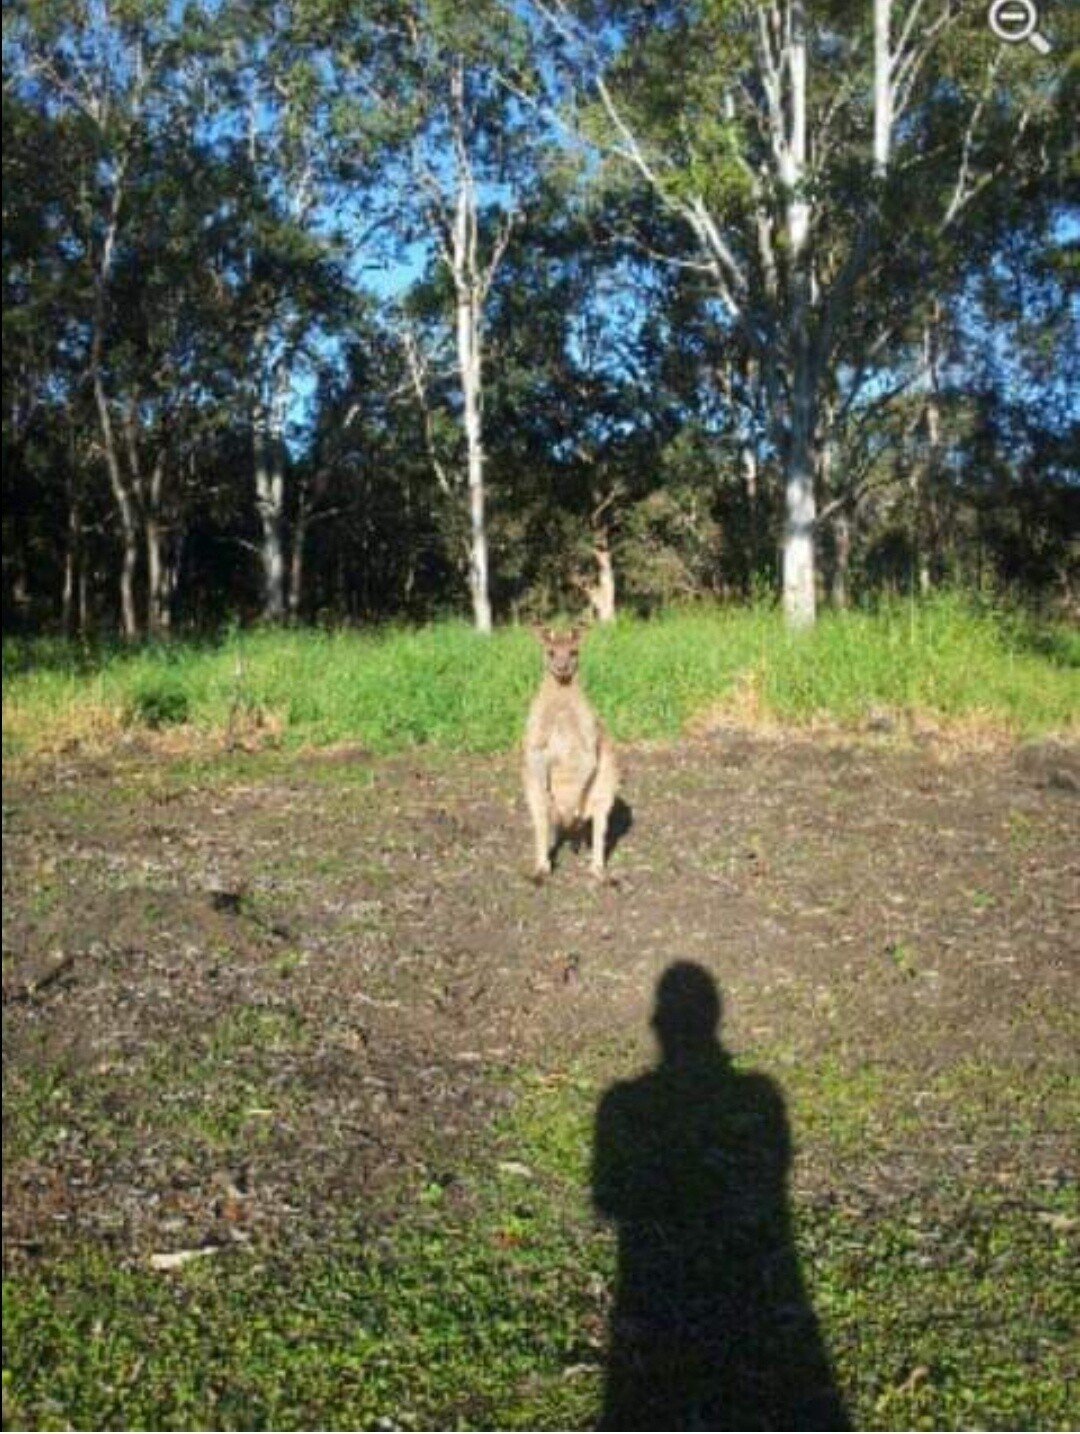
column 988, row 1100
column 1023, row 833
column 44, row 897
column 14, row 745
column 288, row 963
column 346, row 774
column 843, row 1111
column 553, row 1119
column 902, row 958
column 36, row 1103
column 205, row 1091
column 486, row 1305
column 371, row 875
column 158, row 702
column 444, row 1322
column 77, row 804
column 956, row 1315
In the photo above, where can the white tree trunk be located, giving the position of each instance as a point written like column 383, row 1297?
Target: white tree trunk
column 74, row 561
column 929, row 489
column 125, row 505
column 602, row 592
column 296, row 557
column 883, row 87
column 470, row 287
column 800, row 509
column 800, row 517
column 270, row 507
column 157, row 569
column 157, row 620
column 469, row 364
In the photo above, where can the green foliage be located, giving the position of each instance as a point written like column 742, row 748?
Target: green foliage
column 158, row 702
column 444, row 686
column 226, row 210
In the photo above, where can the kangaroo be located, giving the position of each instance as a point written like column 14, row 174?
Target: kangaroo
column 569, row 763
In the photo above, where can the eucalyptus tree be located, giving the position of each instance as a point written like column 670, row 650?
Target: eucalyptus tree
column 134, row 205
column 44, row 409
column 379, row 537
column 279, row 258
column 798, row 146
column 583, row 405
column 103, row 73
column 470, row 152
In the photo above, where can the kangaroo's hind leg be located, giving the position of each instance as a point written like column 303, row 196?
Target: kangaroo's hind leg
column 535, row 775
column 601, row 800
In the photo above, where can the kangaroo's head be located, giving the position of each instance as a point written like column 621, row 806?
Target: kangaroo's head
column 562, row 651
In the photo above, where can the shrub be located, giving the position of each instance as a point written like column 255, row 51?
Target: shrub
column 158, row 702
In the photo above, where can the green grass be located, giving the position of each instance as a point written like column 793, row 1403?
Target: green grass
column 446, row 688
column 485, row 1305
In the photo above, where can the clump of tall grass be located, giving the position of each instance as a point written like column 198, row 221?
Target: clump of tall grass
column 446, row 687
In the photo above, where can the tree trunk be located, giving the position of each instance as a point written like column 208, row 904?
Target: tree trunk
column 296, row 561
column 841, row 583
column 162, row 572
column 157, row 571
column 125, row 504
column 800, row 505
column 471, row 283
column 74, row 561
column 927, row 497
column 883, row 88
column 128, row 566
column 800, row 579
column 270, row 507
column 20, row 586
column 800, row 587
column 67, row 595
column 748, row 462
column 82, row 619
column 468, row 339
column 602, row 592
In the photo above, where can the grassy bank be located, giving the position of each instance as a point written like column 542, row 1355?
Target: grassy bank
column 445, row 687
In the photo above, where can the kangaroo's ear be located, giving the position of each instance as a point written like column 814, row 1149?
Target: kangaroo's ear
column 576, row 633
column 542, row 634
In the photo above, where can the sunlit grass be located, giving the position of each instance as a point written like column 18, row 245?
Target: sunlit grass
column 446, row 687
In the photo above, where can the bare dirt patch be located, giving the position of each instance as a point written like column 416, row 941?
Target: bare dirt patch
column 288, row 981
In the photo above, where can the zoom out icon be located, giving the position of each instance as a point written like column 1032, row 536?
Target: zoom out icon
column 1015, row 21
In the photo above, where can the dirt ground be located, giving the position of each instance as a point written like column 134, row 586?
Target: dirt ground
column 239, row 995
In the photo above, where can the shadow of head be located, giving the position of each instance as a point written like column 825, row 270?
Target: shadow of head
column 686, row 1016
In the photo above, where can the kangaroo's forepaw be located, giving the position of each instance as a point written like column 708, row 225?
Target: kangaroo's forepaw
column 540, row 875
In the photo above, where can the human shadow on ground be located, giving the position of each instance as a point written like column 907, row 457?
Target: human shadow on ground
column 712, row 1327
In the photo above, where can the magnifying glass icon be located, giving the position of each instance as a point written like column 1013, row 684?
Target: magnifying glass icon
column 1015, row 21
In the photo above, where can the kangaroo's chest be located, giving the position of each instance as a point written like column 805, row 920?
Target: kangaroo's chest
column 567, row 734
